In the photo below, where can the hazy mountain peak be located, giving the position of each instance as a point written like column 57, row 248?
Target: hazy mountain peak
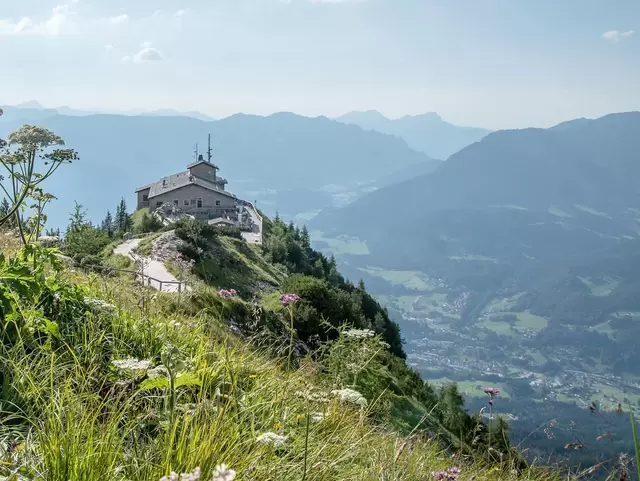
column 31, row 104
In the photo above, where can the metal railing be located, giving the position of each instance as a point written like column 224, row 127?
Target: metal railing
column 145, row 278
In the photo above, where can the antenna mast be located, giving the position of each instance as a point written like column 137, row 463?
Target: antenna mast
column 209, row 149
column 195, row 153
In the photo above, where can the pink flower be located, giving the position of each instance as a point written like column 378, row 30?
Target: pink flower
column 227, row 293
column 287, row 299
column 450, row 474
column 492, row 391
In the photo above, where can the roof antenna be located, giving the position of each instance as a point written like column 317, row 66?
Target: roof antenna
column 195, row 153
column 209, row 149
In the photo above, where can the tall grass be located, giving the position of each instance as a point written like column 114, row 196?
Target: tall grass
column 68, row 413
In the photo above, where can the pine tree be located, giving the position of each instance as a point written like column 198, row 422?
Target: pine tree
column 305, row 237
column 78, row 218
column 4, row 207
column 123, row 222
column 107, row 224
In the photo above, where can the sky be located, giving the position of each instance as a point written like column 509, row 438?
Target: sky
column 488, row 63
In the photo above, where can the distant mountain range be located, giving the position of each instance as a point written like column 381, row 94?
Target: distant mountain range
column 426, row 133
column 34, row 110
column 529, row 213
column 291, row 162
column 514, row 263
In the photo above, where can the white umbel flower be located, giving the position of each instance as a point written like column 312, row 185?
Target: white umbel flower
column 192, row 476
column 132, row 364
column 272, row 438
column 99, row 306
column 359, row 333
column 223, row 473
column 350, row 396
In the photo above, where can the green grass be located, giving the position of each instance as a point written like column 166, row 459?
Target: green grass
column 342, row 244
column 415, row 280
column 600, row 287
column 474, row 388
column 499, row 327
column 146, row 244
column 526, row 320
column 74, row 416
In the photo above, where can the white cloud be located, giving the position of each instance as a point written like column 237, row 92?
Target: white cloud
column 615, row 35
column 119, row 19
column 108, row 47
column 148, row 54
column 146, row 44
column 179, row 13
column 57, row 23
column 337, row 1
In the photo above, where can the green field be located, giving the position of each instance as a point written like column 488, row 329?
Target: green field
column 342, row 244
column 414, row 280
column 600, row 287
column 526, row 320
column 473, row 388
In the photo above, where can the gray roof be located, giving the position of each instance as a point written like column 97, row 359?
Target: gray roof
column 198, row 162
column 144, row 187
column 221, row 220
column 183, row 179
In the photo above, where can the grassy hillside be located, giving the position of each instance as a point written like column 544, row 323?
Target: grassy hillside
column 104, row 380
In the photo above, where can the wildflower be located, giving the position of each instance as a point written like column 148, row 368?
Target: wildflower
column 287, row 299
column 99, row 306
column 359, row 333
column 157, row 372
column 492, row 391
column 171, row 477
column 273, row 439
column 450, row 474
column 175, row 324
column 222, row 473
column 227, row 293
column 132, row 364
column 192, row 476
column 317, row 417
column 350, row 396
column 318, row 396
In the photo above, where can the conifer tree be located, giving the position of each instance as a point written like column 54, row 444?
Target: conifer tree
column 107, row 224
column 305, row 238
column 123, row 222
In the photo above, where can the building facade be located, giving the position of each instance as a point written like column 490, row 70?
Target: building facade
column 198, row 191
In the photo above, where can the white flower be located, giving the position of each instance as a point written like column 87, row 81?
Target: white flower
column 317, row 417
column 175, row 324
column 172, row 477
column 133, row 364
column 99, row 306
column 222, row 473
column 359, row 333
column 350, row 396
column 157, row 372
column 272, row 438
column 192, row 476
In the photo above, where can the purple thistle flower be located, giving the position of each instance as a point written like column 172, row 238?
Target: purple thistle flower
column 227, row 293
column 492, row 391
column 287, row 299
column 450, row 474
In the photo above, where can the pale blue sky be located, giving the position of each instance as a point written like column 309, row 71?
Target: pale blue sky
column 490, row 63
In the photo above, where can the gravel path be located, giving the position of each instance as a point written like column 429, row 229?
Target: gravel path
column 154, row 268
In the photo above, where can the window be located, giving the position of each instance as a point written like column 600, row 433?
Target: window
column 199, row 203
column 158, row 204
column 145, row 197
column 176, row 202
column 217, row 202
column 193, row 202
column 186, row 202
column 164, row 182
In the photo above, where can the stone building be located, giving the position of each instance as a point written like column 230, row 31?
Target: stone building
column 198, row 191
